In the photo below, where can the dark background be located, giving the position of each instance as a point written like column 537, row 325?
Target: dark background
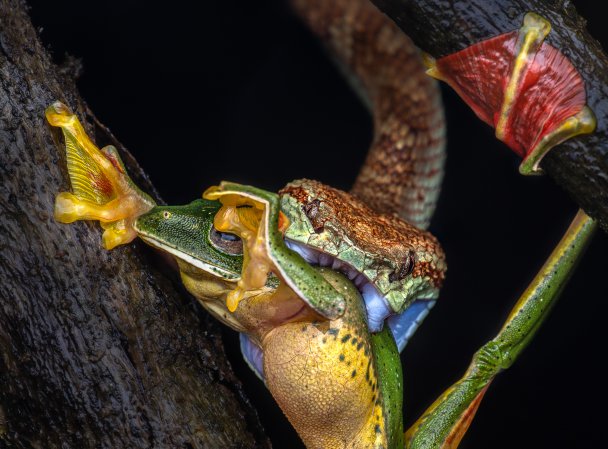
column 239, row 90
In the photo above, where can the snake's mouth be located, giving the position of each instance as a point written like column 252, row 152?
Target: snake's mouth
column 376, row 304
column 402, row 325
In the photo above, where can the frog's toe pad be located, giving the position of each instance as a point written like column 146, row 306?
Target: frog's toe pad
column 68, row 208
column 117, row 233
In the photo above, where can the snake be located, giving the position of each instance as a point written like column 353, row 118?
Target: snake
column 326, row 246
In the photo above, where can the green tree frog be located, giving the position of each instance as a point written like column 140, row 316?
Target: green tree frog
column 339, row 384
column 310, row 276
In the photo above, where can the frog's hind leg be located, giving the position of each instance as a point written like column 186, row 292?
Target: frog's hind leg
column 525, row 88
column 445, row 422
column 102, row 190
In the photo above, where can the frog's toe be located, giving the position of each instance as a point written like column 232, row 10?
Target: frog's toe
column 117, row 233
column 58, row 114
column 70, row 208
column 584, row 122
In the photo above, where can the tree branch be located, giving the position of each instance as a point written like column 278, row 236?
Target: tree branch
column 579, row 165
column 97, row 349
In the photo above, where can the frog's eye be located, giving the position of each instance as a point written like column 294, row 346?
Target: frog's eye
column 166, row 215
column 226, row 242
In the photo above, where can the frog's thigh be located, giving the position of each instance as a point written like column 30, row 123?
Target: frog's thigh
column 319, row 381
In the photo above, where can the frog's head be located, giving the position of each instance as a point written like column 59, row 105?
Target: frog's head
column 187, row 233
column 211, row 264
column 209, row 261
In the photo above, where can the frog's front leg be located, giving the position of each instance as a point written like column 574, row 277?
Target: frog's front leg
column 522, row 86
column 255, row 216
column 446, row 421
column 102, row 190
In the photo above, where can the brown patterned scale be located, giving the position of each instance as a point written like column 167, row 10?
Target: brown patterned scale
column 375, row 233
column 404, row 168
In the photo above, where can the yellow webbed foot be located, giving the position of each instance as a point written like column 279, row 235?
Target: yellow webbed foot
column 102, row 190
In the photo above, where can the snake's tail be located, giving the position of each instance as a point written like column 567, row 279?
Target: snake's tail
column 404, row 167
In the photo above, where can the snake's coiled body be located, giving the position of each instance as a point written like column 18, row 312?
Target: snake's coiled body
column 404, row 168
column 339, row 384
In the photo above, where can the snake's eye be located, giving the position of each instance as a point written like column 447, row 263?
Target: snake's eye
column 226, row 242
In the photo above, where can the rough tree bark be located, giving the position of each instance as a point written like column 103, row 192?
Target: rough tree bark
column 97, row 349
column 579, row 165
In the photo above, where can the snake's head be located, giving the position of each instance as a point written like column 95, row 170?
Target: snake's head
column 392, row 262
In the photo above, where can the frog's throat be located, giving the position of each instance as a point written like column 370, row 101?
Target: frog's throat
column 210, row 291
column 264, row 309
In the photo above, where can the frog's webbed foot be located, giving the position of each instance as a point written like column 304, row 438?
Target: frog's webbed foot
column 529, row 91
column 254, row 215
column 102, row 190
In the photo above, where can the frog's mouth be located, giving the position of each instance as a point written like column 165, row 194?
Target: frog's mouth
column 188, row 258
column 378, row 310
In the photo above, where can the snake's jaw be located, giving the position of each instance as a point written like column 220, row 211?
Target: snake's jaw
column 102, row 190
column 525, row 88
